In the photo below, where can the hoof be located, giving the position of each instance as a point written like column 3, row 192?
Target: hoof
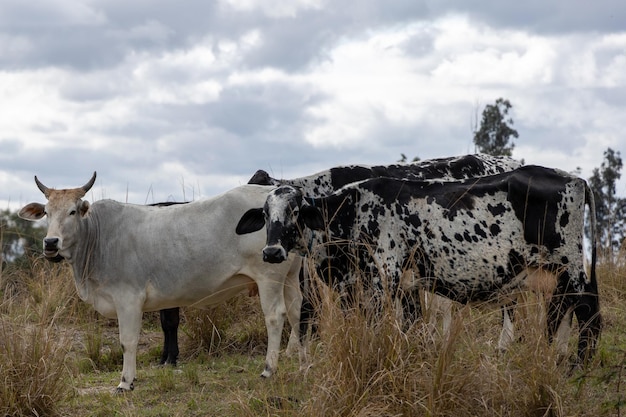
column 121, row 390
column 267, row 372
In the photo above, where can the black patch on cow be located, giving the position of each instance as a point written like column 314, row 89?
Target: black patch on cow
column 414, row 220
column 466, row 167
column 452, row 202
column 285, row 190
column 501, row 271
column 494, row 229
column 517, row 262
column 261, row 178
column 564, row 219
column 534, row 193
column 496, row 210
column 341, row 176
column 479, row 231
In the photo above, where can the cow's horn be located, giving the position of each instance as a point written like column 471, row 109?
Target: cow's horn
column 88, row 186
column 45, row 190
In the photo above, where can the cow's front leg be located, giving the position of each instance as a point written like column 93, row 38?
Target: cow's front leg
column 293, row 302
column 271, row 293
column 129, row 320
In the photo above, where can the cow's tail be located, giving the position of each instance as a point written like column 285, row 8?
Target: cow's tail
column 587, row 308
column 590, row 201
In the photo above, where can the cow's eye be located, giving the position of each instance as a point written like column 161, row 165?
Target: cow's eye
column 73, row 212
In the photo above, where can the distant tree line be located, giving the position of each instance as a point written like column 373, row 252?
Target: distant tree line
column 610, row 209
column 19, row 238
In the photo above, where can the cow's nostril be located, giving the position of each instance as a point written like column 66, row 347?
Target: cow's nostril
column 274, row 254
column 51, row 242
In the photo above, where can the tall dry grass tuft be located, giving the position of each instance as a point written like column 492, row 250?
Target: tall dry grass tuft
column 34, row 342
column 32, row 367
column 366, row 364
column 610, row 372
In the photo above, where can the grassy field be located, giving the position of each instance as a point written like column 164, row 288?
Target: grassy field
column 58, row 357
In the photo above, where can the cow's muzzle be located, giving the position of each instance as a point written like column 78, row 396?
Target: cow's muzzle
column 274, row 254
column 51, row 247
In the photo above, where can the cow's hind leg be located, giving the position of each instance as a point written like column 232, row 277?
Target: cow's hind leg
column 559, row 321
column 129, row 319
column 170, row 319
column 589, row 325
column 411, row 306
column 507, row 334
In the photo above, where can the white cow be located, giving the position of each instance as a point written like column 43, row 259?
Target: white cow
column 128, row 259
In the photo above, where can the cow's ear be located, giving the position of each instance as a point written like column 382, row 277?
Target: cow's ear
column 83, row 208
column 32, row 211
column 251, row 221
column 312, row 217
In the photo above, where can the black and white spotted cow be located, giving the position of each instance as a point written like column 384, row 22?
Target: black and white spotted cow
column 474, row 240
column 445, row 169
column 451, row 168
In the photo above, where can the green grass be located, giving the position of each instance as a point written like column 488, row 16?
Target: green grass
column 58, row 357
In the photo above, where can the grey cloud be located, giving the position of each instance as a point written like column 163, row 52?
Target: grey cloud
column 115, row 29
column 259, row 110
column 559, row 16
column 293, row 44
column 102, row 35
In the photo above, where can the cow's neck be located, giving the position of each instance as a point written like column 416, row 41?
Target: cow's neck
column 84, row 256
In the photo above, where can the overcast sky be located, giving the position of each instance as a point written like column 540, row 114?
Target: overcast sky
column 181, row 100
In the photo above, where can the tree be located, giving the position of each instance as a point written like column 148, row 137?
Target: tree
column 18, row 236
column 610, row 209
column 495, row 130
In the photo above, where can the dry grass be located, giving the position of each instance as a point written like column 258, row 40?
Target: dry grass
column 58, row 358
column 221, row 329
column 34, row 348
column 369, row 366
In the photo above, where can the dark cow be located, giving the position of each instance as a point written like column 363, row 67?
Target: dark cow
column 446, row 169
column 473, row 240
